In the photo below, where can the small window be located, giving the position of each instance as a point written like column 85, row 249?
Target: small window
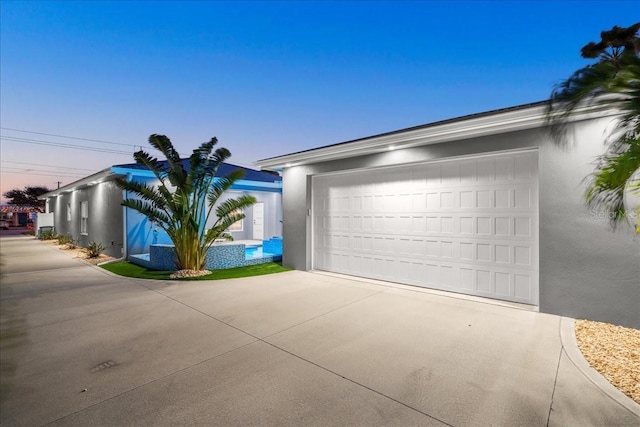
column 236, row 226
column 84, row 217
column 68, row 212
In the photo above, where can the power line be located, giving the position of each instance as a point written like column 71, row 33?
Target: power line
column 43, row 174
column 71, row 137
column 49, row 166
column 4, row 168
column 61, row 145
column 23, row 169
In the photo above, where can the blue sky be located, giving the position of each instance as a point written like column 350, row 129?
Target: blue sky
column 267, row 78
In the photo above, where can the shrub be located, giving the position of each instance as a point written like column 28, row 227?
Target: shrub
column 48, row 235
column 93, row 249
column 63, row 239
column 66, row 241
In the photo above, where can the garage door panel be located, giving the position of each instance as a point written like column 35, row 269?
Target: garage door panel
column 478, row 227
column 471, row 278
column 504, row 168
column 486, row 170
column 467, row 225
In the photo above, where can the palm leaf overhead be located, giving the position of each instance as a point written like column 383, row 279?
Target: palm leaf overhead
column 612, row 82
column 185, row 197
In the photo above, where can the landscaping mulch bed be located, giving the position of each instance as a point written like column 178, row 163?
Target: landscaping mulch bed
column 613, row 351
column 78, row 252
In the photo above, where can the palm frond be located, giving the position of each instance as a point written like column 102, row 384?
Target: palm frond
column 612, row 176
column 142, row 190
column 151, row 212
column 151, row 163
column 176, row 172
column 220, row 155
column 220, row 229
column 612, row 82
column 228, row 213
column 217, row 186
column 220, row 185
column 229, row 206
column 183, row 209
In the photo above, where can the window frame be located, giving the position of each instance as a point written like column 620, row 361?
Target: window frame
column 233, row 227
column 84, row 217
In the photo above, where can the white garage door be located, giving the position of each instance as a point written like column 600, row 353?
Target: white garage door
column 467, row 225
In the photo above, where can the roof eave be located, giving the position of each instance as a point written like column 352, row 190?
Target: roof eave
column 119, row 170
column 96, row 178
column 490, row 124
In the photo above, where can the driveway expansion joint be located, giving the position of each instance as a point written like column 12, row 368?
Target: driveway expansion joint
column 324, row 314
column 555, row 383
column 356, row 383
column 263, row 340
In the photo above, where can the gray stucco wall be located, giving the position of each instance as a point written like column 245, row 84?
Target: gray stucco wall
column 586, row 271
column 104, row 224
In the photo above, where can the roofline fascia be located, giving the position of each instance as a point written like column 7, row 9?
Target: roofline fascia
column 113, row 172
column 129, row 171
column 248, row 185
column 490, row 124
column 149, row 174
column 96, row 178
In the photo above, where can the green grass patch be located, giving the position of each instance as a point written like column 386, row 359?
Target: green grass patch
column 127, row 269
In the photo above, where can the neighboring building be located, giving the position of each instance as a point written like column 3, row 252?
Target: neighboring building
column 486, row 205
column 17, row 216
column 90, row 209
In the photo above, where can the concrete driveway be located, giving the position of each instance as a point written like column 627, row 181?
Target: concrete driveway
column 83, row 347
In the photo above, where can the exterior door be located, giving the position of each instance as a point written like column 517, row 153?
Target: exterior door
column 467, row 225
column 258, row 221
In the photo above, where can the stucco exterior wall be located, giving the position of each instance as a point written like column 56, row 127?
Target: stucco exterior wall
column 586, row 271
column 104, row 223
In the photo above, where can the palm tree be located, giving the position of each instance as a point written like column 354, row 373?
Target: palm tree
column 613, row 82
column 184, row 198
